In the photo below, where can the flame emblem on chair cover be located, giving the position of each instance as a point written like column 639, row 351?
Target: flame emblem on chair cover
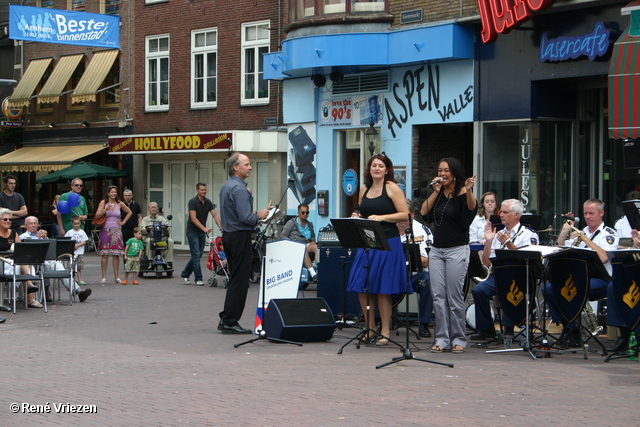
column 632, row 297
column 515, row 295
column 569, row 290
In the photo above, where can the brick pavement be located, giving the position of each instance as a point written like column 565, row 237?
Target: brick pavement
column 180, row 370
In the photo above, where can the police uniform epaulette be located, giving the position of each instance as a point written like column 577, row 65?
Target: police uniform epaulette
column 623, row 216
column 609, row 230
column 530, row 229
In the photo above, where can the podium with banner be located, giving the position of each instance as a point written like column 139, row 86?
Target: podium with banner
column 281, row 271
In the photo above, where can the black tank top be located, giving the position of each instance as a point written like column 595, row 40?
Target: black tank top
column 382, row 205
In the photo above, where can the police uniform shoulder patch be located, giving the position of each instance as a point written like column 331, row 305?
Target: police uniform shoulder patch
column 610, row 240
column 534, row 241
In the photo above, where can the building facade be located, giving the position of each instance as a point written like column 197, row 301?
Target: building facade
column 487, row 87
column 199, row 94
column 72, row 98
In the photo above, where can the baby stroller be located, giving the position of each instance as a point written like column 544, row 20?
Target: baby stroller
column 217, row 263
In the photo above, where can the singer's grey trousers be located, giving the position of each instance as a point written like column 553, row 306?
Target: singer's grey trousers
column 448, row 268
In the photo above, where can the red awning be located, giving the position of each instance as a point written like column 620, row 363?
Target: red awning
column 624, row 87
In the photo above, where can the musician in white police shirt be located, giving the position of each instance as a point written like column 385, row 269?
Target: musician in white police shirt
column 513, row 236
column 598, row 237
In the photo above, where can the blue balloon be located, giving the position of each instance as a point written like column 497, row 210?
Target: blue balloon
column 73, row 199
column 63, row 207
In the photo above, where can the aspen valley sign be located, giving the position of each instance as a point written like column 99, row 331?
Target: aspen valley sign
column 501, row 16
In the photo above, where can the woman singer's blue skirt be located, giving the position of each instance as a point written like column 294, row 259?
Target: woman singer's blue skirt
column 387, row 270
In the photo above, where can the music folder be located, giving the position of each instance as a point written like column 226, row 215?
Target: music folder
column 360, row 233
column 631, row 210
column 597, row 269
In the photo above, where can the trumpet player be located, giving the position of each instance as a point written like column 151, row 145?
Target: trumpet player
column 513, row 236
column 596, row 236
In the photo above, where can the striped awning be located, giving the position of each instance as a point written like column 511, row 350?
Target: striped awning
column 27, row 85
column 94, row 75
column 634, row 5
column 624, row 87
column 59, row 77
column 46, row 157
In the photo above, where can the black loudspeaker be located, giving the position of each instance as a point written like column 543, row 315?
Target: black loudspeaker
column 299, row 319
column 333, row 275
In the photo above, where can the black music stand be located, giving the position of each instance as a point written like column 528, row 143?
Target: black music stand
column 519, row 256
column 366, row 234
column 414, row 264
column 626, row 269
column 595, row 270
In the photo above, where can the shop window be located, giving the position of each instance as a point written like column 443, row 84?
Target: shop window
column 255, row 43
column 44, row 3
column 204, row 68
column 157, row 73
column 156, row 183
column 528, row 161
column 75, row 5
column 309, row 8
column 110, row 98
column 110, row 7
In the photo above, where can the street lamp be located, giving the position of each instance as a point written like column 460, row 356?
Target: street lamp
column 371, row 133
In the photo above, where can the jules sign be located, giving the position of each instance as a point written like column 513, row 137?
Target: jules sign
column 169, row 143
column 501, row 16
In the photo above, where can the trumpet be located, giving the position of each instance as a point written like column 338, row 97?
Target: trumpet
column 578, row 237
column 515, row 236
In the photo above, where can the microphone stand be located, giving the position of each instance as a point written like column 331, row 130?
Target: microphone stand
column 407, row 354
column 262, row 335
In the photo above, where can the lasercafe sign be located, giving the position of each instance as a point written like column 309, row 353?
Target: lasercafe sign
column 169, row 143
column 501, row 16
column 39, row 24
column 592, row 45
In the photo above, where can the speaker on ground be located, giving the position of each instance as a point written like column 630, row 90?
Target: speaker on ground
column 299, row 319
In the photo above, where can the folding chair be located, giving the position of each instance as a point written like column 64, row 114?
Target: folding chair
column 60, row 253
column 30, row 254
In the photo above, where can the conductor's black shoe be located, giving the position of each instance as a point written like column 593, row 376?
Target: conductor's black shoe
column 483, row 335
column 424, row 330
column 237, row 329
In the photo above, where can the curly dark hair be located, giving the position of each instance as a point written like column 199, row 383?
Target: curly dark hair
column 368, row 181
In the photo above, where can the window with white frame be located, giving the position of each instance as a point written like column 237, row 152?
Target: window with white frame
column 157, row 73
column 255, row 43
column 204, row 68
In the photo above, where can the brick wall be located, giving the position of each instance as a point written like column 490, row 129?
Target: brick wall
column 434, row 11
column 178, row 18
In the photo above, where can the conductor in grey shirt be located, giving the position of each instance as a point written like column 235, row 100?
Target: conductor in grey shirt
column 238, row 220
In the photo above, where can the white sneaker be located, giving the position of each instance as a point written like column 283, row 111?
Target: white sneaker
column 199, row 283
column 186, row 281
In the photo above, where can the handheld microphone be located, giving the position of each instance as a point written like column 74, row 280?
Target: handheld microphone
column 436, row 181
column 570, row 218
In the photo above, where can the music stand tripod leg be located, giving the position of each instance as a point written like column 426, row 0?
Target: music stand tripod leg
column 406, row 350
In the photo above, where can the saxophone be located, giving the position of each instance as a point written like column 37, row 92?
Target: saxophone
column 590, row 321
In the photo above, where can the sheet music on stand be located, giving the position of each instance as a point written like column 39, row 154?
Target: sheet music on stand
column 544, row 250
